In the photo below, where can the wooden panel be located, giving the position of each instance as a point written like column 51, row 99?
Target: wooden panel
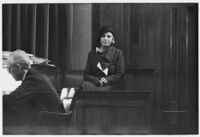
column 192, row 66
column 170, row 58
column 166, row 57
column 145, row 35
column 126, row 43
column 173, row 58
column 113, row 112
column 135, row 82
column 176, row 72
column 181, row 64
column 145, row 49
column 173, row 122
column 91, row 117
column 171, row 73
column 133, row 61
column 130, row 117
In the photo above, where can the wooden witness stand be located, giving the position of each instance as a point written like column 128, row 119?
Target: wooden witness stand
column 112, row 112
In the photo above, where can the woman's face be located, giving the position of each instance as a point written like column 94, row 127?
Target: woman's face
column 107, row 39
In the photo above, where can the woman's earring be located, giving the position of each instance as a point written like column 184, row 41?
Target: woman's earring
column 113, row 42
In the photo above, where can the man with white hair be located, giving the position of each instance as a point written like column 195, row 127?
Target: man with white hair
column 36, row 92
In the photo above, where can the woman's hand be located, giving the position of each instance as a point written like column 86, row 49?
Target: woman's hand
column 96, row 82
column 99, row 82
column 103, row 81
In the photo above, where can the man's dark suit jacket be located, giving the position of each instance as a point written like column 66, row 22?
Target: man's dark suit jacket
column 36, row 93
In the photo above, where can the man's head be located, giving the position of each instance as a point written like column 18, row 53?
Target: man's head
column 18, row 63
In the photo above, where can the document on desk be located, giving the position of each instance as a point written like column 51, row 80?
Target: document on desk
column 6, row 92
column 66, row 97
column 8, row 84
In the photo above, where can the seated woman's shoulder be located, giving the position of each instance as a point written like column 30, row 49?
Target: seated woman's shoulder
column 117, row 49
column 92, row 52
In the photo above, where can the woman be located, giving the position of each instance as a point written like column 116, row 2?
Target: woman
column 105, row 65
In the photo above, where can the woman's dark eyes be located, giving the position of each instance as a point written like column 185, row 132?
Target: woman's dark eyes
column 106, row 35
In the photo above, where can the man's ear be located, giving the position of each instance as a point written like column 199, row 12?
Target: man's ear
column 18, row 67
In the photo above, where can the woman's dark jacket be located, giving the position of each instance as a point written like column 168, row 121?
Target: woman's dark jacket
column 112, row 59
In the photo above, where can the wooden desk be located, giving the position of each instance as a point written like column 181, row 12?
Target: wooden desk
column 113, row 112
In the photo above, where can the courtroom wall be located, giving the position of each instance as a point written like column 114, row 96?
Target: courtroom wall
column 81, row 35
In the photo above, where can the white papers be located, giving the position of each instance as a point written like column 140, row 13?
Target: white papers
column 64, row 93
column 71, row 92
column 66, row 104
column 8, row 84
column 66, row 97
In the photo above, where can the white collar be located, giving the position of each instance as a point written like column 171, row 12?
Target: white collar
column 26, row 71
column 99, row 50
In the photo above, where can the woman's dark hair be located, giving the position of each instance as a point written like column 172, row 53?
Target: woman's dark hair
column 102, row 31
